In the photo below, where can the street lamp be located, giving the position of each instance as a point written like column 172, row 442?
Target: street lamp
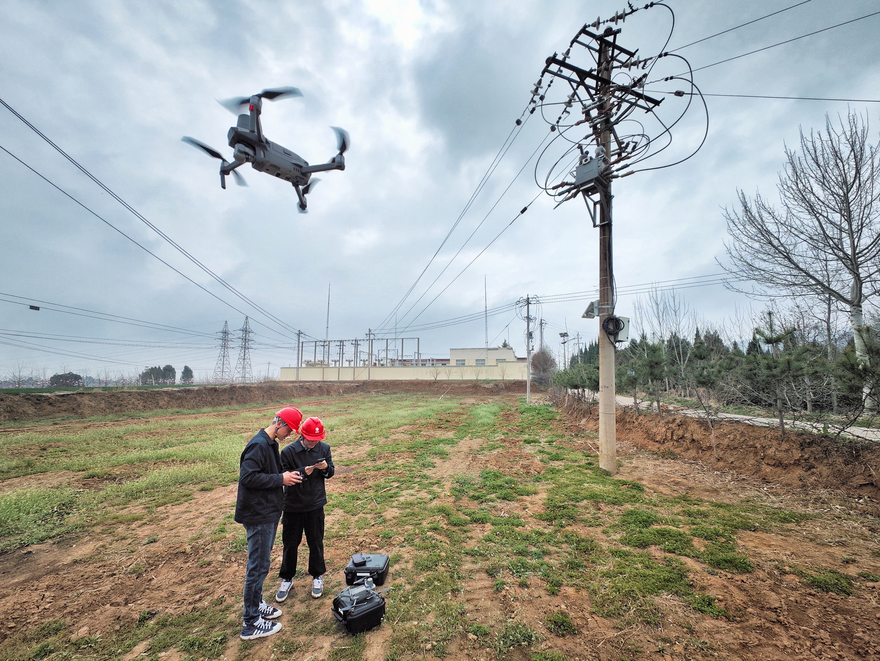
column 564, row 337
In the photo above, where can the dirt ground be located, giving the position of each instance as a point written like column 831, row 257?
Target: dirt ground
column 87, row 580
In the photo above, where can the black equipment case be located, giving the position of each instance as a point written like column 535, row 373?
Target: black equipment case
column 362, row 565
column 358, row 608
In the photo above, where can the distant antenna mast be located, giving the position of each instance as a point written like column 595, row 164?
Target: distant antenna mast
column 221, row 369
column 327, row 329
column 486, row 314
column 243, row 371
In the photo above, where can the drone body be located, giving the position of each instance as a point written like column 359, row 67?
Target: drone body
column 249, row 145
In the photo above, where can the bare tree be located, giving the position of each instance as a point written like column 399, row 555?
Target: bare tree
column 824, row 241
column 669, row 320
column 16, row 375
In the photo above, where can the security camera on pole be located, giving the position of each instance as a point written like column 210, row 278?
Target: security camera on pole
column 595, row 150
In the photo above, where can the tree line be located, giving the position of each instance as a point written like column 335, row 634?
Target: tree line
column 815, row 258
column 166, row 375
column 782, row 368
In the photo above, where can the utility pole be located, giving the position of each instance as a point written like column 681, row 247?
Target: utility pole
column 369, row 351
column 486, row 315
column 605, row 100
column 298, row 352
column 607, row 384
column 564, row 337
column 528, row 353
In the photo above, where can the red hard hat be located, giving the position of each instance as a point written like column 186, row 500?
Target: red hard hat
column 291, row 416
column 313, row 429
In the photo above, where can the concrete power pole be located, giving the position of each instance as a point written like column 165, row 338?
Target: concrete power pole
column 298, row 352
column 607, row 384
column 597, row 93
column 528, row 353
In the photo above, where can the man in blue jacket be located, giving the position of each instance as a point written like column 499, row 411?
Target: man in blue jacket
column 304, row 505
column 261, row 483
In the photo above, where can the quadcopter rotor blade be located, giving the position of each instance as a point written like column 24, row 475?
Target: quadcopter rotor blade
column 234, row 104
column 280, row 93
column 238, row 178
column 309, row 187
column 210, row 151
column 343, row 141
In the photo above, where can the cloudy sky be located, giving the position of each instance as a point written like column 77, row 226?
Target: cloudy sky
column 136, row 257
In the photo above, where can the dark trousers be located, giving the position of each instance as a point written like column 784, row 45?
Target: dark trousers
column 294, row 525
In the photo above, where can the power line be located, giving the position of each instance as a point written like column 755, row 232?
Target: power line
column 141, row 344
column 479, row 254
column 502, row 152
column 718, row 34
column 787, row 41
column 485, row 217
column 140, row 217
column 92, row 314
column 780, row 98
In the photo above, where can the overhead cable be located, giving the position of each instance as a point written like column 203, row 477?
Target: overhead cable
column 140, row 217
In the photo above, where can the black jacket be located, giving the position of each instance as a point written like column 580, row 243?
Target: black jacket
column 260, row 482
column 310, row 494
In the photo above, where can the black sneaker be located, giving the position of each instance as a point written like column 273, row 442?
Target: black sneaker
column 269, row 612
column 259, row 629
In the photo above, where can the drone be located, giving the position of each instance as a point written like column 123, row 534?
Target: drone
column 251, row 146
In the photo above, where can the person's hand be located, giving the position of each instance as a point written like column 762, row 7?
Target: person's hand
column 321, row 465
column 309, row 470
column 291, row 478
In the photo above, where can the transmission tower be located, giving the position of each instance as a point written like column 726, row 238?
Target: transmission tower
column 223, row 366
column 243, row 371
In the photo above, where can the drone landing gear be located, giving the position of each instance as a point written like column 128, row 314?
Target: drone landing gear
column 229, row 168
column 301, row 193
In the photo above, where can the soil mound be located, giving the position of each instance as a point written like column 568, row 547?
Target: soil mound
column 92, row 403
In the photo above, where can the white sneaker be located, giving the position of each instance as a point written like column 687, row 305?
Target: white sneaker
column 284, row 590
column 260, row 629
column 318, row 587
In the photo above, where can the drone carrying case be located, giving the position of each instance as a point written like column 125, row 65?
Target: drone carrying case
column 362, row 565
column 358, row 609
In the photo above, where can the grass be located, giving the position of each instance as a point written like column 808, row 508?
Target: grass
column 570, row 525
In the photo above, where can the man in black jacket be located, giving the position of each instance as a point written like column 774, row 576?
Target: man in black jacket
column 261, row 483
column 304, row 505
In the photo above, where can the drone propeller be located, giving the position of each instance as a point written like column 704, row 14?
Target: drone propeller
column 210, row 151
column 342, row 139
column 308, row 188
column 235, row 104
